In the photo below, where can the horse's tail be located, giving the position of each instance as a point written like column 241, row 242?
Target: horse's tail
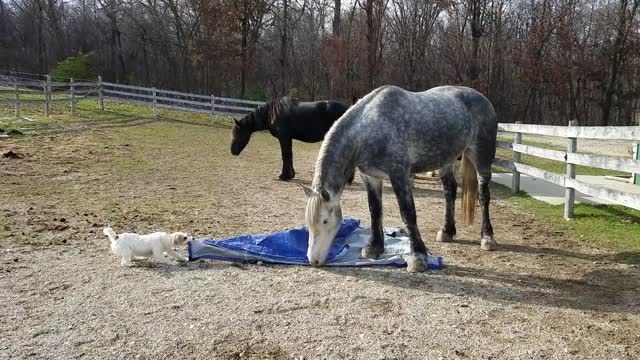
column 469, row 189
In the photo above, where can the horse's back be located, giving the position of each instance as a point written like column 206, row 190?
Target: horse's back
column 431, row 128
column 310, row 121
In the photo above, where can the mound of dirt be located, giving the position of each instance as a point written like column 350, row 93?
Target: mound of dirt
column 11, row 155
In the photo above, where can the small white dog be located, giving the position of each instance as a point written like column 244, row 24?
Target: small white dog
column 155, row 245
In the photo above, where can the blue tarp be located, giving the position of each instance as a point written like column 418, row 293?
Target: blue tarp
column 290, row 247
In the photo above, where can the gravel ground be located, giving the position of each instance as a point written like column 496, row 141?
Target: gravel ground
column 64, row 295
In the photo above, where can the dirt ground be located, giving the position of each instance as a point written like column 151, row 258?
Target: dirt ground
column 64, row 295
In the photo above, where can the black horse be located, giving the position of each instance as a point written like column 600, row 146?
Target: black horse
column 286, row 119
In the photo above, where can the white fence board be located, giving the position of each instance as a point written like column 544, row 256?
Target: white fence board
column 115, row 98
column 182, row 101
column 504, row 163
column 605, row 162
column 196, row 96
column 13, row 101
column 116, row 92
column 504, row 145
column 231, row 107
column 531, row 171
column 21, row 83
column 623, row 198
column 127, row 86
column 540, row 174
column 27, row 92
column 580, row 132
column 182, row 108
column 217, row 98
column 540, row 152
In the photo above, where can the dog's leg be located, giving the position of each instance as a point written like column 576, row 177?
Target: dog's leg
column 126, row 257
column 157, row 253
column 176, row 255
column 126, row 261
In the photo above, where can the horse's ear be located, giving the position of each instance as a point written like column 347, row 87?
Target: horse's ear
column 325, row 194
column 308, row 192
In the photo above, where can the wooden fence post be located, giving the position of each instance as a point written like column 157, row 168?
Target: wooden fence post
column 100, row 97
column 570, row 194
column 155, row 101
column 213, row 103
column 72, row 89
column 15, row 88
column 47, row 93
column 515, row 180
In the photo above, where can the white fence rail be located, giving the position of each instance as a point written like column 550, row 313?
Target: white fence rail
column 73, row 92
column 571, row 158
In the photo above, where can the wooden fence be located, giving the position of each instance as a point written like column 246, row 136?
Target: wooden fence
column 49, row 91
column 572, row 158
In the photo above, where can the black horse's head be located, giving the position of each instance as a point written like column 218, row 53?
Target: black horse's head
column 240, row 135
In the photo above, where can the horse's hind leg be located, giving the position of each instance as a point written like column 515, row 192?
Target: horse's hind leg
column 287, row 157
column 487, row 242
column 375, row 246
column 401, row 183
column 483, row 169
column 450, row 186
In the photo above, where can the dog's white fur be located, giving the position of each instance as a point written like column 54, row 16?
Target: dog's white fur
column 155, row 245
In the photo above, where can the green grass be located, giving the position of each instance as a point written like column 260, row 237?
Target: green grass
column 550, row 165
column 87, row 112
column 612, row 226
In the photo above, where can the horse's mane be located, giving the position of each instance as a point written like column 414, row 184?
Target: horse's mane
column 279, row 106
column 312, row 211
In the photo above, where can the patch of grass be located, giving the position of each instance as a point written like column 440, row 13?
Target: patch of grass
column 612, row 226
column 551, row 165
column 88, row 113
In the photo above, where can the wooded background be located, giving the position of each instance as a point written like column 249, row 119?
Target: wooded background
column 539, row 61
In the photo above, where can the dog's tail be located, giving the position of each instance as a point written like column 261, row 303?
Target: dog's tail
column 110, row 233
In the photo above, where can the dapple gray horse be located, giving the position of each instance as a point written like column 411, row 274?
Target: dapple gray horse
column 391, row 134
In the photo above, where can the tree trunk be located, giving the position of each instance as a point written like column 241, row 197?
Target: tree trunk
column 336, row 19
column 617, row 58
column 477, row 8
column 371, row 45
column 243, row 49
column 284, row 61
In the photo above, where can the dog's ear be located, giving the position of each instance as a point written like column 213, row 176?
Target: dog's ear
column 178, row 238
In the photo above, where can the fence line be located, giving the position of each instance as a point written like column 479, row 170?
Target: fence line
column 155, row 98
column 572, row 158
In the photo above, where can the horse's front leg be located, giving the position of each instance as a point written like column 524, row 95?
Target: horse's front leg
column 287, row 157
column 450, row 186
column 401, row 183
column 375, row 246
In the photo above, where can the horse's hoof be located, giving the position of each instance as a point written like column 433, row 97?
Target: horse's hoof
column 285, row 177
column 487, row 243
column 444, row 237
column 416, row 262
column 372, row 252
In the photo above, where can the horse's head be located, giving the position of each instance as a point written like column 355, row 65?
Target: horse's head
column 240, row 135
column 323, row 218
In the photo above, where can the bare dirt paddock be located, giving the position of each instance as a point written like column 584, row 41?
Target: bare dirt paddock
column 64, row 295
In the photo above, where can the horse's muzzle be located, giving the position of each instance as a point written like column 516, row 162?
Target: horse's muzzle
column 315, row 263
